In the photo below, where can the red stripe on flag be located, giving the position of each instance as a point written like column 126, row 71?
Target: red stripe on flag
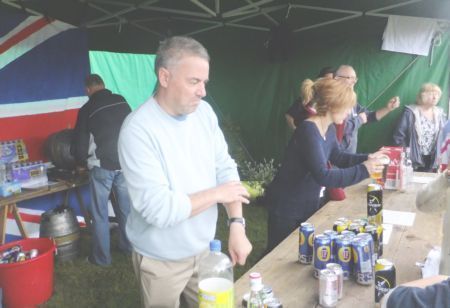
column 24, row 33
column 35, row 129
column 27, row 217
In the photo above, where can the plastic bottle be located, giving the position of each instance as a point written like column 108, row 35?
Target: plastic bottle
column 431, row 266
column 408, row 166
column 216, row 285
column 256, row 298
column 402, row 173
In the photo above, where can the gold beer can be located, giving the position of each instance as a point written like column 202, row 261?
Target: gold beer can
column 375, row 204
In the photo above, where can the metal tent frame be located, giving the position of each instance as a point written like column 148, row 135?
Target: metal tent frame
column 207, row 17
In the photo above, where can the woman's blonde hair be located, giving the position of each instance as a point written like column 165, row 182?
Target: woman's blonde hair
column 328, row 95
column 427, row 87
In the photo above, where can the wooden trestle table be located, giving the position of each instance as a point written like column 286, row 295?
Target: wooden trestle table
column 294, row 284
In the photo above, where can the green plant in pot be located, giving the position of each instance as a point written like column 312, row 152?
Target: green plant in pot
column 256, row 176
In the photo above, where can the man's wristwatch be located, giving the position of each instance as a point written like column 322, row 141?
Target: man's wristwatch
column 240, row 220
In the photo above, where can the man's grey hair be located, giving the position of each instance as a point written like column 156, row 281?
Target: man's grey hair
column 172, row 49
column 343, row 67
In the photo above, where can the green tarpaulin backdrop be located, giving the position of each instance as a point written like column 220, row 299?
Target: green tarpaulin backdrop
column 130, row 75
column 255, row 93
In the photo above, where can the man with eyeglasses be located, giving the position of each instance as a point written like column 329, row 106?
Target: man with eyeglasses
column 347, row 133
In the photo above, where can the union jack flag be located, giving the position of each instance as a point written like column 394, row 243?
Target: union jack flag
column 43, row 63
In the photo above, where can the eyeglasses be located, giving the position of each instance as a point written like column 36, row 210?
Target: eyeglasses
column 431, row 93
column 352, row 78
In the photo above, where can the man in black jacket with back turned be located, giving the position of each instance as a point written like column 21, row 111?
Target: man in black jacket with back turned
column 95, row 144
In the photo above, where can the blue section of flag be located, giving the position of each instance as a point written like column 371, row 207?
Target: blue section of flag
column 54, row 69
column 9, row 21
column 52, row 201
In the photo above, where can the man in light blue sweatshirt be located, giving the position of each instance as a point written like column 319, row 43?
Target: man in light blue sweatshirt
column 177, row 168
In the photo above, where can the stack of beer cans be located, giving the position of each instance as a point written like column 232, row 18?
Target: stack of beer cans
column 17, row 254
column 354, row 245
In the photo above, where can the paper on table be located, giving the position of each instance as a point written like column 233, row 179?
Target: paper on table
column 422, row 179
column 387, row 231
column 399, row 218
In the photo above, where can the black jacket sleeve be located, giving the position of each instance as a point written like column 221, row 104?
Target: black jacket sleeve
column 402, row 132
column 371, row 115
column 80, row 138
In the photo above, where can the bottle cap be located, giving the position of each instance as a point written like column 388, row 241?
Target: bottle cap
column 215, row 245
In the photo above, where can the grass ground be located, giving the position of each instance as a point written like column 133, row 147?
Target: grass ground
column 79, row 284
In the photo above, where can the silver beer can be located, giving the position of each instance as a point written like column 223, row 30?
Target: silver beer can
column 328, row 288
column 337, row 269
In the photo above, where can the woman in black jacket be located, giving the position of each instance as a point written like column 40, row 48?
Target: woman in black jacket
column 419, row 126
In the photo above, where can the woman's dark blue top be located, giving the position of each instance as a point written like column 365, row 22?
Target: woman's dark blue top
column 295, row 189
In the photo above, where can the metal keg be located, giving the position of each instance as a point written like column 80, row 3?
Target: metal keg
column 61, row 224
column 57, row 149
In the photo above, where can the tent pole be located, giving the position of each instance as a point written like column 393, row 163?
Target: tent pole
column 10, row 3
column 327, row 22
column 324, row 9
column 204, row 7
column 118, row 13
column 217, row 5
column 264, row 10
column 246, row 7
column 117, row 3
column 204, row 30
column 229, row 24
column 391, row 7
column 272, row 20
column 165, row 10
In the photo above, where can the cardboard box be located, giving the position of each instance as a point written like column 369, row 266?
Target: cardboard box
column 393, row 169
column 13, row 151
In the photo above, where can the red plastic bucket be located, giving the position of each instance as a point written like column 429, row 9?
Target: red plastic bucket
column 28, row 283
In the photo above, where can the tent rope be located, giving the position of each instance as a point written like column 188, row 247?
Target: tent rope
column 394, row 80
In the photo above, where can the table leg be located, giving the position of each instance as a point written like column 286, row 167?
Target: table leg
column 3, row 213
column 66, row 198
column 19, row 222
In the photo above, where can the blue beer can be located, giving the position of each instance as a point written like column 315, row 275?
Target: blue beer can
column 332, row 235
column 348, row 233
column 362, row 260
column 306, row 243
column 322, row 253
column 343, row 246
column 369, row 238
column 11, row 251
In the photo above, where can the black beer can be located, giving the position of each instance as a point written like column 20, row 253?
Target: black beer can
column 385, row 279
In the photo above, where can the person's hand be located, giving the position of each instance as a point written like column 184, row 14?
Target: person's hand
column 393, row 103
column 363, row 117
column 374, row 165
column 232, row 192
column 379, row 153
column 239, row 246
